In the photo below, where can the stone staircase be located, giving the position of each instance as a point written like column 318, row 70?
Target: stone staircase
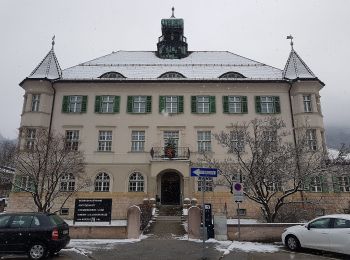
column 168, row 223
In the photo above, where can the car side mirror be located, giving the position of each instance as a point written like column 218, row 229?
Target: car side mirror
column 308, row 226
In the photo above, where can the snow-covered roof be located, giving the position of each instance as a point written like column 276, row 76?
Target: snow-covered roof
column 48, row 68
column 296, row 68
column 202, row 65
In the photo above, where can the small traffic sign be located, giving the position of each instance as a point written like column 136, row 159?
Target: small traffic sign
column 238, row 192
column 204, row 172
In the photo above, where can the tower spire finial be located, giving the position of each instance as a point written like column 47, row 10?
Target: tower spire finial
column 53, row 41
column 290, row 37
column 172, row 12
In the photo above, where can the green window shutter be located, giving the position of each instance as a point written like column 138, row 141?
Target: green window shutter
column 116, row 104
column 336, row 187
column 244, row 104
column 161, row 104
column 97, row 104
column 16, row 183
column 194, row 104
column 180, row 104
column 212, row 105
column 225, row 104
column 130, row 104
column 31, row 185
column 84, row 104
column 65, row 104
column 306, row 183
column 324, row 183
column 257, row 104
column 149, row 104
column 276, row 100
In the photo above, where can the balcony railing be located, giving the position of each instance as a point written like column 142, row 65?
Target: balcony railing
column 164, row 153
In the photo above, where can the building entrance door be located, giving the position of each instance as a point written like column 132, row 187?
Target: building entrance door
column 170, row 188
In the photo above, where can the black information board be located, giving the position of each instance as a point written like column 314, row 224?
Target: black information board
column 93, row 210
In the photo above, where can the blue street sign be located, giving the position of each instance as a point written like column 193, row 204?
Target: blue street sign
column 204, row 172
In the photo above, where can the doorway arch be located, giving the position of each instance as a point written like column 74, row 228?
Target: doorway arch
column 170, row 187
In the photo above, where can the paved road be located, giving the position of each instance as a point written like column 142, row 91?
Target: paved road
column 173, row 249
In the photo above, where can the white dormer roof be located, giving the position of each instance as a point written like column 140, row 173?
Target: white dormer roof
column 48, row 68
column 296, row 68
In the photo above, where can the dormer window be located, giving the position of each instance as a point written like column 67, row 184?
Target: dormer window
column 171, row 75
column 112, row 75
column 231, row 75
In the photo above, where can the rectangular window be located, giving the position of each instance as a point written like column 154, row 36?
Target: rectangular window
column 237, row 141
column 307, row 103
column 171, row 104
column 208, row 183
column 203, row 104
column 72, row 140
column 105, row 141
column 64, row 211
column 139, row 104
column 267, row 105
column 344, row 183
column 234, row 104
column 75, row 104
column 137, row 141
column 274, row 186
column 315, row 184
column 204, row 141
column 25, row 183
column 270, row 139
column 311, row 139
column 35, row 102
column 241, row 212
column 30, row 138
column 107, row 104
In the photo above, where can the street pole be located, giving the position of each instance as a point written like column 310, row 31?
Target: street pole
column 203, row 218
column 239, row 222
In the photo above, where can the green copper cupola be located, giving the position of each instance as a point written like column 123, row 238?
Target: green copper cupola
column 172, row 44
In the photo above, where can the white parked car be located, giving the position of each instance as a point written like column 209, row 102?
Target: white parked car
column 329, row 233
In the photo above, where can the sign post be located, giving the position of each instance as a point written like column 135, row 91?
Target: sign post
column 204, row 173
column 238, row 198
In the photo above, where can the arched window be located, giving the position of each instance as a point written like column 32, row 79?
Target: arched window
column 67, row 182
column 112, row 75
column 231, row 75
column 136, row 182
column 102, row 182
column 171, row 75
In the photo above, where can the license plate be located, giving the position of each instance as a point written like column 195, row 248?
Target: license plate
column 65, row 232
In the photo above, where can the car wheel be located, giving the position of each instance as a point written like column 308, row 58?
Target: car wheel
column 292, row 243
column 37, row 251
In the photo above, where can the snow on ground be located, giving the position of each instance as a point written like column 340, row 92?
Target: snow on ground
column 333, row 154
column 82, row 246
column 227, row 246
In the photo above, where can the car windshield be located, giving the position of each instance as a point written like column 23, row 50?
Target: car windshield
column 4, row 220
column 56, row 220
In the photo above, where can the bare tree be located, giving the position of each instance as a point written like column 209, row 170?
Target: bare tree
column 49, row 170
column 272, row 166
column 7, row 153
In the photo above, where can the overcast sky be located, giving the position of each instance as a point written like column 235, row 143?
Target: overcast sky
column 256, row 29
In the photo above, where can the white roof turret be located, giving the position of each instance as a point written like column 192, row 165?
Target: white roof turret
column 49, row 67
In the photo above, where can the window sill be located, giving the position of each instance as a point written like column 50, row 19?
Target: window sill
column 103, row 151
column 138, row 152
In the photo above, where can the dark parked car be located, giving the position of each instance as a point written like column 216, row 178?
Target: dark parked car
column 35, row 234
